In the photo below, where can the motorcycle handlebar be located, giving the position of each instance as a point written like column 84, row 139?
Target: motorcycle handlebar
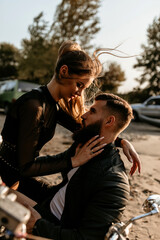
column 114, row 237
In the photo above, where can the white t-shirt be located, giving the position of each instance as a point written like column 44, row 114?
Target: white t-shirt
column 57, row 202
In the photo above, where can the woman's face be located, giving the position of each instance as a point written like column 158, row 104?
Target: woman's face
column 73, row 85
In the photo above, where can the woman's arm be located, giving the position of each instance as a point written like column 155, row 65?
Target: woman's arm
column 29, row 126
column 131, row 154
column 75, row 156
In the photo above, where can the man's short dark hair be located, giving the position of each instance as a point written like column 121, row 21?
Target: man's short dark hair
column 117, row 106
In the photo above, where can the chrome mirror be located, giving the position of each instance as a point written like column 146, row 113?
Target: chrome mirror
column 151, row 203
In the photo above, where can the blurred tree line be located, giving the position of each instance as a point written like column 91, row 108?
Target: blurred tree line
column 74, row 20
column 149, row 63
column 77, row 21
column 35, row 61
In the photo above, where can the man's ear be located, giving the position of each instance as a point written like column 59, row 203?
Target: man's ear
column 110, row 120
column 64, row 71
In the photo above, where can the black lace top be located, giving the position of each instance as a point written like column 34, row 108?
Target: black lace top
column 31, row 123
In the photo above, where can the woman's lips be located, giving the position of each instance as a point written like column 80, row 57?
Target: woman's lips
column 73, row 96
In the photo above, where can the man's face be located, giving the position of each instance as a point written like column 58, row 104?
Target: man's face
column 92, row 122
column 85, row 133
column 96, row 113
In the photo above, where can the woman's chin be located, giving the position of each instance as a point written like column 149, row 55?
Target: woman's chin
column 72, row 98
column 69, row 99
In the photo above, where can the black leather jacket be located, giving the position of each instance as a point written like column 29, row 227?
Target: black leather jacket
column 95, row 197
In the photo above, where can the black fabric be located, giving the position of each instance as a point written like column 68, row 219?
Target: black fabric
column 118, row 142
column 40, row 190
column 46, row 214
column 8, row 174
column 35, row 189
column 29, row 127
column 95, row 197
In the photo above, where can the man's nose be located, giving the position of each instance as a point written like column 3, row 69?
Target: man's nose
column 84, row 116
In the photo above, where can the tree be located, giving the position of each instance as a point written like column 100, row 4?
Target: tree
column 38, row 54
column 111, row 78
column 76, row 20
column 9, row 60
column 149, row 60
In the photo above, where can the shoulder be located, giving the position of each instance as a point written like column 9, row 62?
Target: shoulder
column 114, row 169
column 30, row 103
column 110, row 168
column 34, row 94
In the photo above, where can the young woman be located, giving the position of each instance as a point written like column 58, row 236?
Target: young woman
column 32, row 119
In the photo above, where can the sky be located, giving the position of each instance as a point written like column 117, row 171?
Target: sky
column 122, row 22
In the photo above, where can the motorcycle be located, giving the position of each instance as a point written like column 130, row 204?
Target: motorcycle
column 13, row 217
column 120, row 231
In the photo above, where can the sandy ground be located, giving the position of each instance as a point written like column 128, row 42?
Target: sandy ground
column 146, row 140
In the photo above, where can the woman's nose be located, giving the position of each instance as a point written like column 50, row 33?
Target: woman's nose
column 79, row 92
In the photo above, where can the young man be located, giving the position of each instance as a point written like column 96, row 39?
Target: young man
column 96, row 193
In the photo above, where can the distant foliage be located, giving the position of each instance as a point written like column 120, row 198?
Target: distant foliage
column 149, row 61
column 136, row 96
column 74, row 20
column 38, row 54
column 112, row 78
column 9, row 60
column 77, row 21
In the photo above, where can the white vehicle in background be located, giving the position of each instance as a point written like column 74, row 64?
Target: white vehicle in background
column 149, row 111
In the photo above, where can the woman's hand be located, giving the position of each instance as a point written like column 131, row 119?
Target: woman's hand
column 132, row 156
column 89, row 150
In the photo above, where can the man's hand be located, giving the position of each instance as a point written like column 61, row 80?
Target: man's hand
column 132, row 156
column 89, row 150
column 34, row 217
